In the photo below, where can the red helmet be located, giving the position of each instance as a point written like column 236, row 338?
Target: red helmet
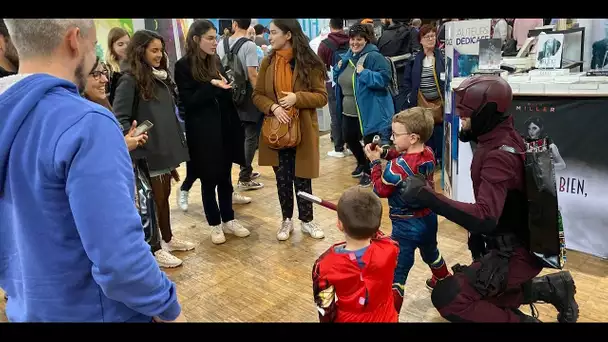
column 476, row 91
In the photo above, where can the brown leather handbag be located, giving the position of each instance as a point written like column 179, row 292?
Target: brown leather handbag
column 279, row 136
column 436, row 106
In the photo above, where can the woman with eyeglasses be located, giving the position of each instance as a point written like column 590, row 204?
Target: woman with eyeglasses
column 214, row 132
column 95, row 91
column 424, row 84
column 146, row 91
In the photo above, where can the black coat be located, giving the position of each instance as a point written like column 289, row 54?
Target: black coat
column 214, row 132
column 166, row 147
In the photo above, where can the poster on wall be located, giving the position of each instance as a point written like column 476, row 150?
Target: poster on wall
column 103, row 27
column 581, row 164
column 164, row 27
column 549, row 51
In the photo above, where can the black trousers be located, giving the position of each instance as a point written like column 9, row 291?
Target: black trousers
column 286, row 181
column 252, row 138
column 190, row 179
column 351, row 129
column 215, row 212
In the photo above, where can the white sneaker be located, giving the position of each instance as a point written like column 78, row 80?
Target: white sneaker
column 312, row 229
column 166, row 259
column 335, row 154
column 177, row 245
column 217, row 235
column 285, row 231
column 237, row 198
column 235, row 228
column 347, row 152
column 182, row 200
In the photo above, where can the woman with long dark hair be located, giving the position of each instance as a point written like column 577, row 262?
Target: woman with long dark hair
column 213, row 128
column 145, row 91
column 290, row 85
column 94, row 91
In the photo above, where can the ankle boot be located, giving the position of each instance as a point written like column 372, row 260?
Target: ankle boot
column 557, row 289
column 440, row 271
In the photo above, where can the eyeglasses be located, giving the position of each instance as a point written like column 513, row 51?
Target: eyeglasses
column 97, row 74
column 430, row 37
column 397, row 135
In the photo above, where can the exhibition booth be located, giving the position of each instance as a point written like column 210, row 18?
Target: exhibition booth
column 553, row 96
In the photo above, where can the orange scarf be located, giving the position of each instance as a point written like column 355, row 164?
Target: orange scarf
column 283, row 75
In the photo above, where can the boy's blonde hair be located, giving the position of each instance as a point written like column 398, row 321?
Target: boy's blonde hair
column 417, row 120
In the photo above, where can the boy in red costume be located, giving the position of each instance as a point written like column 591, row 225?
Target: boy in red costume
column 413, row 226
column 352, row 279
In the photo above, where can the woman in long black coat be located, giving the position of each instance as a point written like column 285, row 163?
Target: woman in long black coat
column 213, row 129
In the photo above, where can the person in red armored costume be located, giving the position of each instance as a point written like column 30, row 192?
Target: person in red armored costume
column 493, row 288
column 352, row 280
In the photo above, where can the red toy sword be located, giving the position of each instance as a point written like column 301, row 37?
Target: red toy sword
column 317, row 200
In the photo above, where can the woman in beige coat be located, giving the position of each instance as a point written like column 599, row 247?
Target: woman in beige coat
column 292, row 80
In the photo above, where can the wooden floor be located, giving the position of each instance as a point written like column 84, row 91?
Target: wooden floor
column 259, row 279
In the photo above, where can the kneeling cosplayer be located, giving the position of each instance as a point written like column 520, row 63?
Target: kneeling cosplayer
column 504, row 277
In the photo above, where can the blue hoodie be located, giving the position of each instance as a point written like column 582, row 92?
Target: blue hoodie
column 71, row 241
column 374, row 101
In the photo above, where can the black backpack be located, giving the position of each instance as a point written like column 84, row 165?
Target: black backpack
column 393, row 86
column 338, row 50
column 547, row 241
column 235, row 70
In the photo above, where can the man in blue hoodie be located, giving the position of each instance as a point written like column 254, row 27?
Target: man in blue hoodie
column 71, row 241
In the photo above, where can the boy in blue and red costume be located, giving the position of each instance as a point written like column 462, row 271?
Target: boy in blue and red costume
column 492, row 288
column 413, row 226
column 360, row 270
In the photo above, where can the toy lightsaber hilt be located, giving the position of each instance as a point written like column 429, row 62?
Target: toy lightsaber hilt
column 375, row 142
column 317, row 200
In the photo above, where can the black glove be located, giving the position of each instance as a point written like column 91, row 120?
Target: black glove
column 411, row 187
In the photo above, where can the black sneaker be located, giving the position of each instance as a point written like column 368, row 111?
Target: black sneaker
column 365, row 181
column 358, row 172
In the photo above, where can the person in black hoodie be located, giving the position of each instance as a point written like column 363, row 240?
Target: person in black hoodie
column 214, row 132
column 9, row 60
column 396, row 40
column 336, row 43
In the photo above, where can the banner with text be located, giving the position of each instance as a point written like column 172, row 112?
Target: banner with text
column 577, row 129
column 461, row 59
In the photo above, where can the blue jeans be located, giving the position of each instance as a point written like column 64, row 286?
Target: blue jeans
column 420, row 232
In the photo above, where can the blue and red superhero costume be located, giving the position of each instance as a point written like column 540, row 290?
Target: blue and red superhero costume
column 413, row 226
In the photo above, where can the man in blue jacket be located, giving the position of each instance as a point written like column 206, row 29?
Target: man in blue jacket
column 71, row 241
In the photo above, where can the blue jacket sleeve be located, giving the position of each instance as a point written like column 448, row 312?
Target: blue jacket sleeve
column 100, row 184
column 407, row 82
column 378, row 73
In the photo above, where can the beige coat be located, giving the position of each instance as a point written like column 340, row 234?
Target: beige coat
column 307, row 101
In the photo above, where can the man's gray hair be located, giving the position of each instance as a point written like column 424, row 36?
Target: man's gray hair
column 40, row 37
column 416, row 22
